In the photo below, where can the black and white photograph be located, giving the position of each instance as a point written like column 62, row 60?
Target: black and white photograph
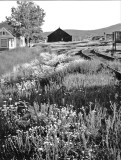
column 60, row 80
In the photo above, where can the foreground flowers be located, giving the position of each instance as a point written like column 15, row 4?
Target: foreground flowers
column 57, row 134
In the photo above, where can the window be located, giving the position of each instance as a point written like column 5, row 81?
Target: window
column 4, row 43
column 3, row 33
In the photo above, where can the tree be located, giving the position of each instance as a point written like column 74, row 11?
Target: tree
column 27, row 20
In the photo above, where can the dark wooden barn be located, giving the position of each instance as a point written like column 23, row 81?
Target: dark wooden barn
column 59, row 35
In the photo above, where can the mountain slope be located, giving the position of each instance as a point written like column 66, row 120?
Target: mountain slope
column 76, row 34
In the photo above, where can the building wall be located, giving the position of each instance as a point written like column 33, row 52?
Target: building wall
column 59, row 35
column 12, row 43
column 9, row 44
column 117, row 36
column 8, row 41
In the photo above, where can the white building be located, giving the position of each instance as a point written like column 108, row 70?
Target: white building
column 8, row 40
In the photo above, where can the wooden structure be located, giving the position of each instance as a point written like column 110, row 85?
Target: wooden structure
column 59, row 35
column 7, row 39
column 116, row 38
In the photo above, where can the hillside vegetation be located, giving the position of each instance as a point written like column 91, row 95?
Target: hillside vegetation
column 84, row 33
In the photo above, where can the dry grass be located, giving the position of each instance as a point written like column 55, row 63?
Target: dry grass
column 76, row 81
column 115, row 65
column 11, row 58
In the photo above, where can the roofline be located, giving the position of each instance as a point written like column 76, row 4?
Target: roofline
column 7, row 30
column 60, row 29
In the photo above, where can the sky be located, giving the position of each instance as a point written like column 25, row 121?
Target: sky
column 81, row 15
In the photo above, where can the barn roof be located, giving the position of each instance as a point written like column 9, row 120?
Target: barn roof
column 59, row 29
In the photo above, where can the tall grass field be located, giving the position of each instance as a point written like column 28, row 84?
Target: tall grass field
column 65, row 111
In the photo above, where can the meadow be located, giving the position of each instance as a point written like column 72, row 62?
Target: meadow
column 68, row 112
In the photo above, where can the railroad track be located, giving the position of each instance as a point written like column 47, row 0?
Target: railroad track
column 93, row 54
column 106, row 57
column 83, row 55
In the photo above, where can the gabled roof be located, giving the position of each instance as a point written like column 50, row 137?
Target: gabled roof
column 59, row 29
column 8, row 33
column 6, row 26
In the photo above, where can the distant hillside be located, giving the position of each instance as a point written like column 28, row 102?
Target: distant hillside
column 81, row 34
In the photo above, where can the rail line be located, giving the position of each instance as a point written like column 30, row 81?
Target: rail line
column 106, row 57
column 93, row 54
column 83, row 55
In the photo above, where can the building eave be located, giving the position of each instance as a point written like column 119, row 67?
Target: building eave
column 6, row 36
